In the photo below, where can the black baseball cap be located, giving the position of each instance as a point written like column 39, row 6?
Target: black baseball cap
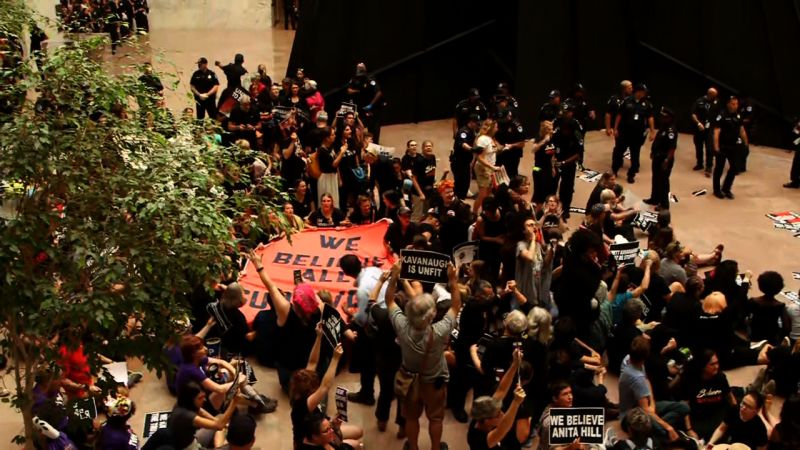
column 640, row 87
column 202, row 60
column 473, row 117
column 554, row 93
column 473, row 92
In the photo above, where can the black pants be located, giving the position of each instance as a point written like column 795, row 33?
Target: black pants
column 702, row 148
column 462, row 379
column 372, row 122
column 565, row 180
column 461, row 176
column 142, row 23
column 729, row 155
column 543, row 185
column 794, row 174
column 208, row 105
column 113, row 32
column 364, row 357
column 627, row 141
column 510, row 160
column 388, row 361
column 660, row 187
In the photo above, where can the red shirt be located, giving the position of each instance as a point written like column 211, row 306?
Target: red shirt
column 75, row 365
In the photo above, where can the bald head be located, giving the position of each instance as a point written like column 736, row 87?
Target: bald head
column 711, row 93
column 626, row 87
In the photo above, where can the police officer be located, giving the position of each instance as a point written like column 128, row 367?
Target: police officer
column 366, row 93
column 550, row 110
column 615, row 103
column 702, row 111
column 461, row 156
column 503, row 94
column 633, row 121
column 662, row 153
column 567, row 142
column 233, row 73
column 729, row 136
column 510, row 135
column 584, row 114
column 468, row 107
column 794, row 174
column 204, row 84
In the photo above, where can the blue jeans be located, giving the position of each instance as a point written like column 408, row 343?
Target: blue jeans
column 671, row 412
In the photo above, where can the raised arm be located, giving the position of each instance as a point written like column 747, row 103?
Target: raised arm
column 508, row 377
column 327, row 380
column 455, row 293
column 495, row 436
column 645, row 280
column 313, row 357
column 282, row 306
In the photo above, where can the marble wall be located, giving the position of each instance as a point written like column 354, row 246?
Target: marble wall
column 211, row 14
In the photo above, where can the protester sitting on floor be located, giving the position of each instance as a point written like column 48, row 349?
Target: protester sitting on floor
column 743, row 425
column 192, row 426
column 768, row 316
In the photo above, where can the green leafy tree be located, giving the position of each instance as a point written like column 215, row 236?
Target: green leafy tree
column 108, row 224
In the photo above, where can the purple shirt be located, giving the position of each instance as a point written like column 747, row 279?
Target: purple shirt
column 190, row 372
column 112, row 438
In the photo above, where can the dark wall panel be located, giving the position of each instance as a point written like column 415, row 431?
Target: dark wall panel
column 677, row 47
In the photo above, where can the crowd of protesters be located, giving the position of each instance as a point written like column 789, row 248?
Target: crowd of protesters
column 535, row 323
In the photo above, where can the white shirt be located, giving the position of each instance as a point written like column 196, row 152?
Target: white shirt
column 489, row 149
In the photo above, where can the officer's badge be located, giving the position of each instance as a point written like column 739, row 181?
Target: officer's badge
column 463, row 135
column 672, row 135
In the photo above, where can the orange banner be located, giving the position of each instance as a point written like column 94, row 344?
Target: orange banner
column 316, row 253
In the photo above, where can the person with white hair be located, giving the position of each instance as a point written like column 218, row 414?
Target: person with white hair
column 423, row 374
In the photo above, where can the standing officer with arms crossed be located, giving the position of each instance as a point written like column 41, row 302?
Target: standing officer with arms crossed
column 204, row 86
column 729, row 137
column 633, row 121
column 702, row 111
column 663, row 155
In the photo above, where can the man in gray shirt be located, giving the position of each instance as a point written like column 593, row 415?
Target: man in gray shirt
column 671, row 269
column 422, row 344
column 635, row 390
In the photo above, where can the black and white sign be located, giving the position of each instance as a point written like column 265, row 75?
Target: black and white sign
column 625, row 253
column 341, row 403
column 567, row 424
column 154, row 421
column 465, row 253
column 792, row 296
column 796, row 275
column 576, row 210
column 700, row 192
column 422, row 265
column 645, row 219
column 590, row 176
column 83, row 410
column 346, row 107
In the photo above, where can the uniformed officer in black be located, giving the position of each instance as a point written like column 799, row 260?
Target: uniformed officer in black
column 633, row 121
column 461, row 156
column 615, row 103
column 567, row 143
column 662, row 153
column 510, row 134
column 729, row 137
column 584, row 114
column 551, row 109
column 204, row 85
column 472, row 105
column 794, row 174
column 366, row 93
column 746, row 111
column 503, row 94
column 702, row 111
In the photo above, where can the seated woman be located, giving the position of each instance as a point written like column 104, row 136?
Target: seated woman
column 743, row 425
column 306, row 393
column 327, row 216
column 618, row 220
column 766, row 313
column 115, row 433
column 320, row 433
column 706, row 389
column 194, row 427
column 713, row 329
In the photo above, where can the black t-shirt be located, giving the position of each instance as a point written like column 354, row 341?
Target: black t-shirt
column 752, row 433
column 566, row 139
column 477, row 439
column 296, row 340
column 367, row 88
column 302, row 209
column 359, row 218
column 204, row 81
column 416, row 164
column 293, row 167
column 613, row 106
column 708, row 402
column 234, row 74
column 702, row 108
column 729, row 125
column 428, row 177
column 235, row 339
column 241, row 117
column 665, row 141
column 333, row 331
column 317, row 219
column 298, row 415
column 653, row 298
column 181, row 424
column 679, row 308
column 397, row 239
column 635, row 115
column 466, row 108
column 325, row 157
column 454, row 223
column 382, row 173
